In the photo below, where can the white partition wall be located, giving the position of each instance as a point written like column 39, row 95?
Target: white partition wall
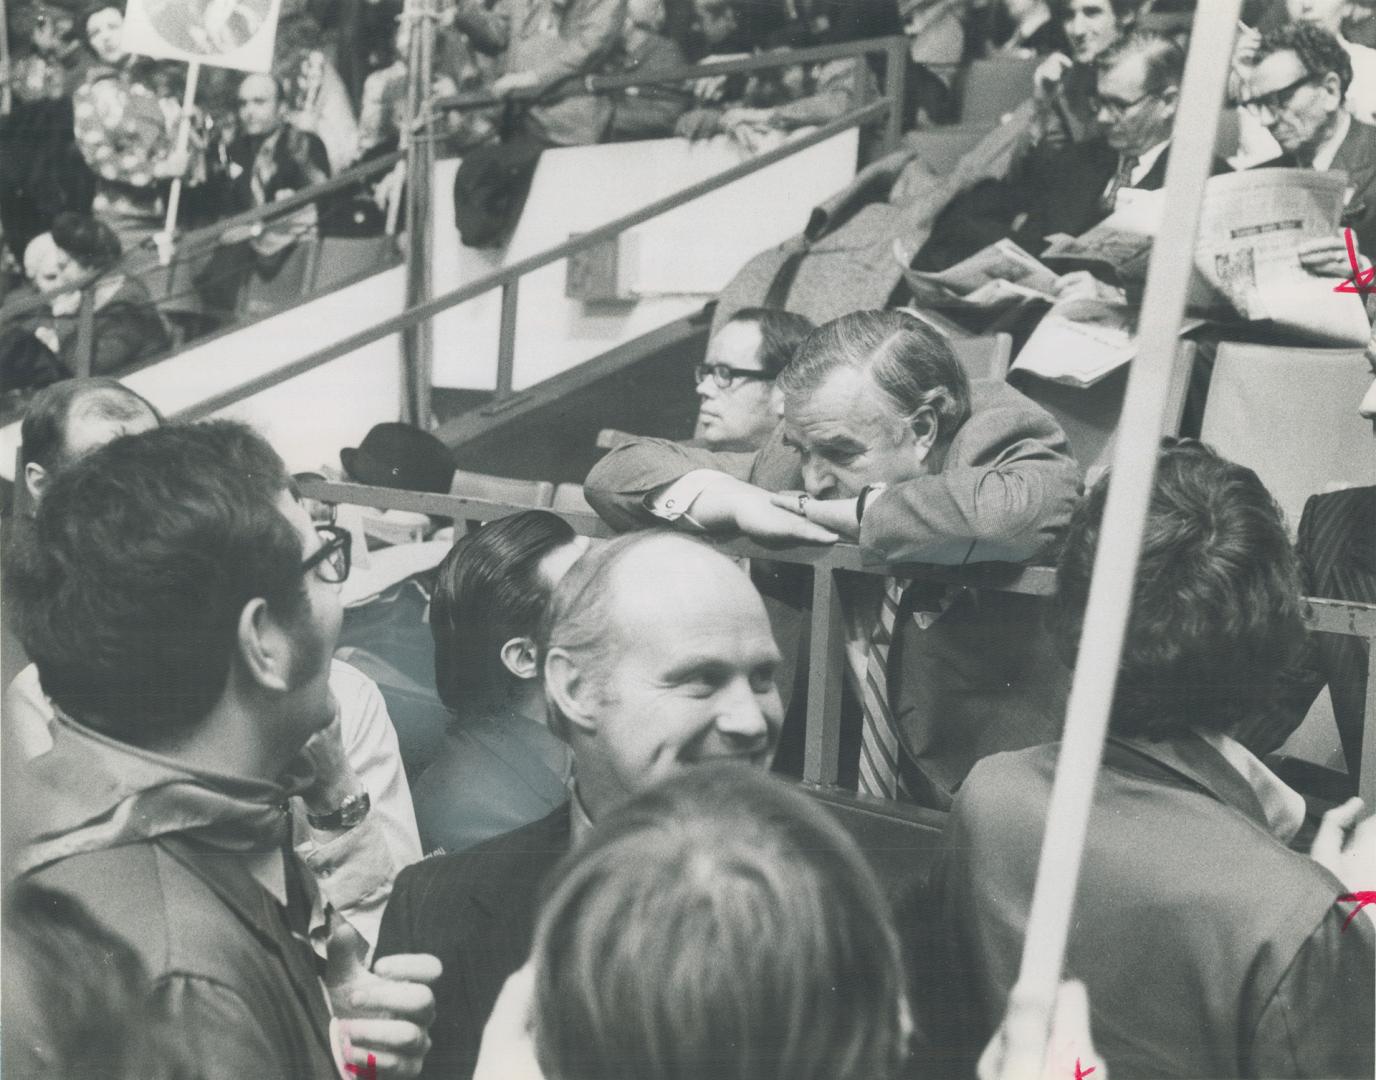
column 686, row 255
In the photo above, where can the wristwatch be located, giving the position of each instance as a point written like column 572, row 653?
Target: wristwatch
column 344, row 816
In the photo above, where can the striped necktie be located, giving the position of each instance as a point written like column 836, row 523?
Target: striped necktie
column 879, row 746
column 1121, row 179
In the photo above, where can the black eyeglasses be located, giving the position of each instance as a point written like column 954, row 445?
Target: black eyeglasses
column 1118, row 109
column 333, row 558
column 723, row 374
column 1277, row 101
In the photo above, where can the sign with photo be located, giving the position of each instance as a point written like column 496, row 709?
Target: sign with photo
column 223, row 33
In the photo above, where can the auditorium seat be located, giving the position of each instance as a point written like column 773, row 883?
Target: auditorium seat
column 1291, row 415
column 344, row 259
column 570, row 499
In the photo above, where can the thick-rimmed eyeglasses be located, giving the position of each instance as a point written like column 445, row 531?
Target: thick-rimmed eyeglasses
column 1277, row 101
column 332, row 560
column 723, row 375
column 1118, row 109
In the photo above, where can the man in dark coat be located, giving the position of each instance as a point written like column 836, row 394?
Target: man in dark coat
column 657, row 655
column 181, row 610
column 1208, row 946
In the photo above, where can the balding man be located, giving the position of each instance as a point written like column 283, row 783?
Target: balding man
column 657, row 656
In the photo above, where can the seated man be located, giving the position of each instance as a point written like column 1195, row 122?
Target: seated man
column 500, row 766
column 1069, row 189
column 1296, row 90
column 1208, row 947
column 181, row 610
column 899, row 451
column 356, row 865
column 657, row 655
column 650, row 111
column 736, row 380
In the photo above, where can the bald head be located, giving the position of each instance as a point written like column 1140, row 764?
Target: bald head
column 658, row 654
column 259, row 104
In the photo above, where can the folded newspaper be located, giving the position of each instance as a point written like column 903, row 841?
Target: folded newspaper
column 994, row 277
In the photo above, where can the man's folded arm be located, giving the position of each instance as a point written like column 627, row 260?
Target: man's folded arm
column 621, row 486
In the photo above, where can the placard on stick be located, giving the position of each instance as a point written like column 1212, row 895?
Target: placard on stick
column 222, row 33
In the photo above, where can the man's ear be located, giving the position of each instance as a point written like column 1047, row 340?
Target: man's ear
column 924, row 426
column 1170, row 99
column 36, row 480
column 265, row 648
column 1334, row 85
column 518, row 657
column 571, row 690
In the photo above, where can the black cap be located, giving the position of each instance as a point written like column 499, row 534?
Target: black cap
column 400, row 456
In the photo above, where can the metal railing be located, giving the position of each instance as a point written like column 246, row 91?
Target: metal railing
column 826, row 657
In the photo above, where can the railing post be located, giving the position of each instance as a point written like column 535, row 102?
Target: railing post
column 895, row 89
column 1366, row 776
column 825, row 678
column 418, row 340
column 85, row 331
column 506, row 342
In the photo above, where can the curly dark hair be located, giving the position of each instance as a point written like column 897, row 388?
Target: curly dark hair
column 1318, row 50
column 1216, row 606
column 86, row 239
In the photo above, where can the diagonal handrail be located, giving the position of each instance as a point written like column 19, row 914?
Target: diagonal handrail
column 508, row 274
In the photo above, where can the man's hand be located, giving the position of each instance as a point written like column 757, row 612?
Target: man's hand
column 710, row 88
column 1082, row 285
column 1326, row 257
column 1049, row 73
column 834, row 515
column 1350, row 858
column 515, row 82
column 1070, row 1053
column 728, row 503
column 335, row 780
column 508, row 1047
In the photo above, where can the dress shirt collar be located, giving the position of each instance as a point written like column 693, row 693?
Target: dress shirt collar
column 1146, row 163
column 1328, row 149
column 1282, row 805
column 578, row 816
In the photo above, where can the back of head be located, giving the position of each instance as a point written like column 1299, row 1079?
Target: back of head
column 86, row 239
column 782, row 333
column 128, row 588
column 44, row 431
column 1215, row 608
column 490, row 590
column 908, row 360
column 719, row 925
column 1162, row 59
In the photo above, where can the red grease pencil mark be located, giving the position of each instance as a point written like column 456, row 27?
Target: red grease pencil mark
column 1362, row 282
column 1361, row 899
column 1081, row 1074
column 368, row 1071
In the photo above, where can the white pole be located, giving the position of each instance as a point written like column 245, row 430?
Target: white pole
column 193, row 75
column 1028, row 1019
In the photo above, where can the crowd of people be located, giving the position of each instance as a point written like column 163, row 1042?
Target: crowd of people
column 524, row 804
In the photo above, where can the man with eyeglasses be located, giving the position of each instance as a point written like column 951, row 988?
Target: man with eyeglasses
column 182, row 609
column 360, row 757
column 735, row 382
column 1297, row 90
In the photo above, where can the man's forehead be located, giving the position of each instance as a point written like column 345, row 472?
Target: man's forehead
column 845, row 400
column 1277, row 70
column 736, row 344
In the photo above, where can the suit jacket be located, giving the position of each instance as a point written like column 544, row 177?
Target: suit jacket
column 1357, row 157
column 1337, row 552
column 475, row 910
column 984, row 677
column 1207, row 946
column 244, row 992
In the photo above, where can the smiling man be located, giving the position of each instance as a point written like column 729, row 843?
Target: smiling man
column 894, row 448
column 735, row 383
column 657, row 656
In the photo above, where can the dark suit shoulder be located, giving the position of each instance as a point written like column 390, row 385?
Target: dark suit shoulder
column 1337, row 544
column 427, row 898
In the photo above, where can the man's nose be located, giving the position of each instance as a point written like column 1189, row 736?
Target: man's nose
column 743, row 716
column 817, row 478
column 1368, row 406
column 707, row 386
